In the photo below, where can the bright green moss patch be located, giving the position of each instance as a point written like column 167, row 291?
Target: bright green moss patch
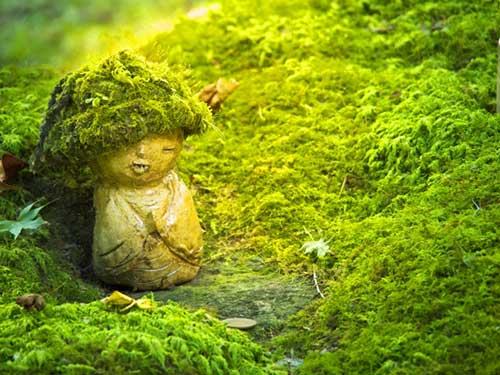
column 104, row 108
column 94, row 339
column 23, row 98
column 368, row 124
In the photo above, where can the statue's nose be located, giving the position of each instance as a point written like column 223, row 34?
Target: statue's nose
column 140, row 151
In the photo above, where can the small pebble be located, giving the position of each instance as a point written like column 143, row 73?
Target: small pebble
column 240, row 323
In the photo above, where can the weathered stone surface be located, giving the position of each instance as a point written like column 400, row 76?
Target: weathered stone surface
column 147, row 233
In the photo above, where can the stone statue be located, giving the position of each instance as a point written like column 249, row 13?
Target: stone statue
column 121, row 124
column 147, row 234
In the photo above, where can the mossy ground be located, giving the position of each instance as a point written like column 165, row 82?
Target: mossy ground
column 368, row 123
column 246, row 289
column 94, row 339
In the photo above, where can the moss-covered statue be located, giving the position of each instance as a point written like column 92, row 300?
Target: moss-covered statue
column 126, row 119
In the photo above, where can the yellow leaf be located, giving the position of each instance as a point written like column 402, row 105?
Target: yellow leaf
column 118, row 299
column 144, row 303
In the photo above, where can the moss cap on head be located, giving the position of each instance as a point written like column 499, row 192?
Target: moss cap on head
column 103, row 108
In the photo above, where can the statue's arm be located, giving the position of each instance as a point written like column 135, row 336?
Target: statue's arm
column 178, row 224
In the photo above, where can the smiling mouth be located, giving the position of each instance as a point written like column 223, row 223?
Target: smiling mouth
column 139, row 168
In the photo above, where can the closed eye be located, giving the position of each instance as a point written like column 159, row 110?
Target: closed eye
column 168, row 149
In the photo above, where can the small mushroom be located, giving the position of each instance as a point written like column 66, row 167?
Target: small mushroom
column 29, row 301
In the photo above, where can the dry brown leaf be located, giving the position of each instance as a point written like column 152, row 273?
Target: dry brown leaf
column 216, row 93
column 10, row 167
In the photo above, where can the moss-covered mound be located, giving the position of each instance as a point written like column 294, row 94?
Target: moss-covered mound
column 116, row 103
column 92, row 339
column 370, row 125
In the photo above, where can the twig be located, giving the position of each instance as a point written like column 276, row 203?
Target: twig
column 308, row 233
column 386, row 30
column 343, row 186
column 315, row 278
column 477, row 206
column 289, row 363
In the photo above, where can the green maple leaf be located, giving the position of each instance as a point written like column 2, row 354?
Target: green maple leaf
column 28, row 219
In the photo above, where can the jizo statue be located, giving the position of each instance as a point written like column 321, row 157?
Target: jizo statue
column 147, row 234
column 122, row 123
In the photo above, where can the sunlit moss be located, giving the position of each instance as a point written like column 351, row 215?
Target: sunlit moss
column 91, row 338
column 23, row 94
column 369, row 124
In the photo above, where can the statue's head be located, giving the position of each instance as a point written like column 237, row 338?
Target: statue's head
column 145, row 162
column 116, row 108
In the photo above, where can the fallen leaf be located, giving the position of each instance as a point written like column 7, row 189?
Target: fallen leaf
column 10, row 167
column 216, row 93
column 117, row 298
column 144, row 303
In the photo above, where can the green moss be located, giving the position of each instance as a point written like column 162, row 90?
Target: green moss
column 92, row 338
column 371, row 125
column 27, row 268
column 103, row 108
column 23, row 94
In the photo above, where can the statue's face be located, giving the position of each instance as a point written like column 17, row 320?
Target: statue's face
column 148, row 161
